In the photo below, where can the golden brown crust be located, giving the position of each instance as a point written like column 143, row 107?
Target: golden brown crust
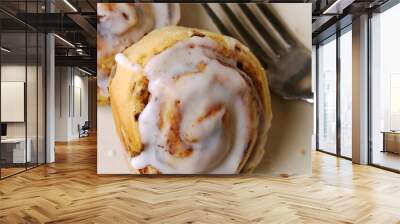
column 128, row 107
column 149, row 170
column 125, row 106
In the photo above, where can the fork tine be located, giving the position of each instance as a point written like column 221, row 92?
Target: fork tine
column 226, row 23
column 276, row 46
column 257, row 36
column 251, row 42
column 220, row 25
column 272, row 42
column 277, row 24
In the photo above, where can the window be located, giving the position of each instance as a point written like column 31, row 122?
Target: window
column 385, row 89
column 346, row 93
column 22, row 101
column 327, row 96
column 334, row 62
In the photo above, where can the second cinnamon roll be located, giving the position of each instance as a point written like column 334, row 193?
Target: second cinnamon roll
column 119, row 25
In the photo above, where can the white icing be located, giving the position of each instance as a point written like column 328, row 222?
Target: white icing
column 220, row 145
column 123, row 61
column 166, row 14
column 117, row 18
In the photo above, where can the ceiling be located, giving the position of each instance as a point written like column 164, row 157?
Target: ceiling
column 332, row 15
column 75, row 21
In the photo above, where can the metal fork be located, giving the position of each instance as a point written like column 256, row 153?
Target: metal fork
column 286, row 60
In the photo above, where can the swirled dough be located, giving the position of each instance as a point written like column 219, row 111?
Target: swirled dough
column 187, row 101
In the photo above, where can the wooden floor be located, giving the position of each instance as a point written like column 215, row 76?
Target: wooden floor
column 10, row 171
column 387, row 159
column 69, row 191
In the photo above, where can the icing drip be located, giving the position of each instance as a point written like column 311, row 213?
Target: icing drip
column 122, row 60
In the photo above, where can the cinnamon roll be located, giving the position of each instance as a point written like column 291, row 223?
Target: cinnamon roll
column 119, row 25
column 189, row 101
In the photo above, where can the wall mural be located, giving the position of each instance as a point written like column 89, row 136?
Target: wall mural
column 204, row 88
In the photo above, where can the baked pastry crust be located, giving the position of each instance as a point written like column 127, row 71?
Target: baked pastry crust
column 129, row 90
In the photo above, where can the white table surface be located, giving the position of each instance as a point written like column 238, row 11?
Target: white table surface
column 18, row 151
column 13, row 140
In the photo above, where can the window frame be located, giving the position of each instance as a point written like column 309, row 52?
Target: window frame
column 25, row 31
column 334, row 37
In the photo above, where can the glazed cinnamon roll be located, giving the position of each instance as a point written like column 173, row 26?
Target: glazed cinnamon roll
column 188, row 101
column 119, row 25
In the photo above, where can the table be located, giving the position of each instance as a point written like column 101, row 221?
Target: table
column 17, row 150
column 391, row 141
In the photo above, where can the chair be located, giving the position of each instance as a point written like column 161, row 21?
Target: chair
column 84, row 130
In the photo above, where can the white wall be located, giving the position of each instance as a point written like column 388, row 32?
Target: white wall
column 71, row 102
column 33, row 127
column 79, row 103
column 12, row 73
column 62, row 81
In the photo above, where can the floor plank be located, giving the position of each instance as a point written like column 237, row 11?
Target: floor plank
column 70, row 191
